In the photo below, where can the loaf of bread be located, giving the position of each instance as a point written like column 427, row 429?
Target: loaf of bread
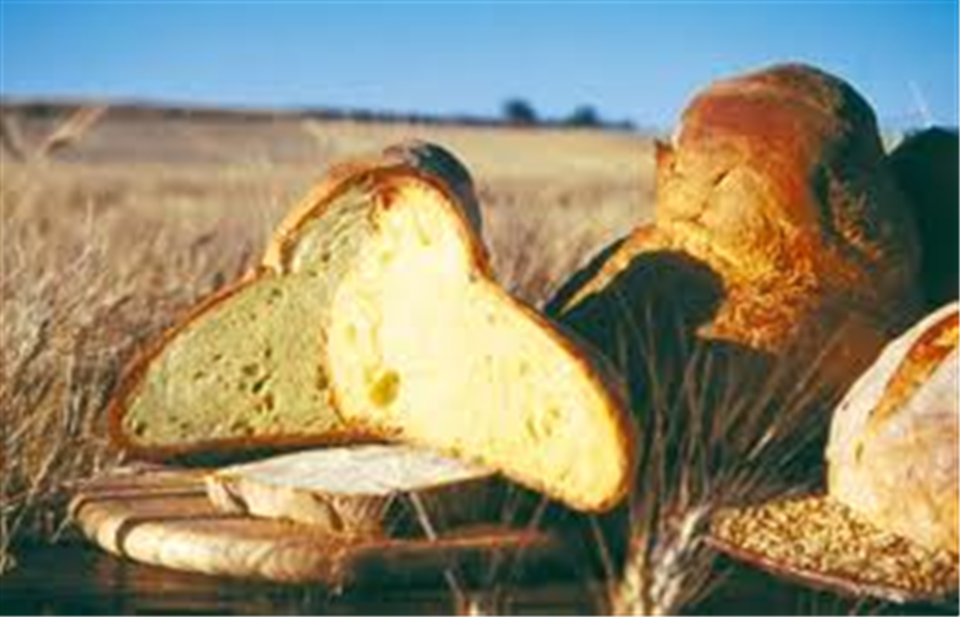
column 359, row 490
column 375, row 315
column 779, row 222
column 894, row 440
column 887, row 525
column 927, row 168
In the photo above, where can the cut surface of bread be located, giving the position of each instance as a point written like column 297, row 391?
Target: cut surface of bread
column 357, row 489
column 424, row 347
column 245, row 366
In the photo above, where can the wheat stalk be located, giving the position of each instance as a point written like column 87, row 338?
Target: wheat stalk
column 61, row 344
column 712, row 438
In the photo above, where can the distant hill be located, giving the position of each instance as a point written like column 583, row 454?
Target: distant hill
column 47, row 108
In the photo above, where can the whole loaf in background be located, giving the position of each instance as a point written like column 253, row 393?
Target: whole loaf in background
column 780, row 237
column 894, row 439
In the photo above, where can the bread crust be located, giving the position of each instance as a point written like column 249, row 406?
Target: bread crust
column 776, row 181
column 888, row 524
column 340, row 179
column 373, row 170
column 893, row 447
column 926, row 166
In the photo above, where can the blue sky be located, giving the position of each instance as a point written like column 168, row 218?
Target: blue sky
column 641, row 61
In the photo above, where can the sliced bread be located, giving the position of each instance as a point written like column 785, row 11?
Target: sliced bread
column 375, row 315
column 359, row 490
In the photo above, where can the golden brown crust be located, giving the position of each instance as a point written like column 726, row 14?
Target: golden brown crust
column 776, row 182
column 376, row 172
column 924, row 357
column 893, row 445
column 782, row 171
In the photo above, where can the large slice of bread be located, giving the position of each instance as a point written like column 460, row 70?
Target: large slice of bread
column 424, row 347
column 375, row 315
column 359, row 490
column 244, row 369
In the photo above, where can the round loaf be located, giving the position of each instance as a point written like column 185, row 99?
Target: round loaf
column 892, row 453
column 777, row 178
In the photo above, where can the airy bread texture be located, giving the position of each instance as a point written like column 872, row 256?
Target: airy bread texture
column 244, row 367
column 375, row 315
column 776, row 184
column 358, row 490
column 894, row 440
column 424, row 347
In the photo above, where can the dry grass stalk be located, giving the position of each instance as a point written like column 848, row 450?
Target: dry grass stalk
column 55, row 380
column 11, row 139
column 72, row 310
column 712, row 439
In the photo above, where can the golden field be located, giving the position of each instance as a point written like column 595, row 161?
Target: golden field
column 116, row 220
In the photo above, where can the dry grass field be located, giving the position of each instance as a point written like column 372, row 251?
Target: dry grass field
column 116, row 220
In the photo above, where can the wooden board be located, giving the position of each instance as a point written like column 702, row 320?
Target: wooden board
column 161, row 516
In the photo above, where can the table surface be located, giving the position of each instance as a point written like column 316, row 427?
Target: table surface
column 76, row 578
